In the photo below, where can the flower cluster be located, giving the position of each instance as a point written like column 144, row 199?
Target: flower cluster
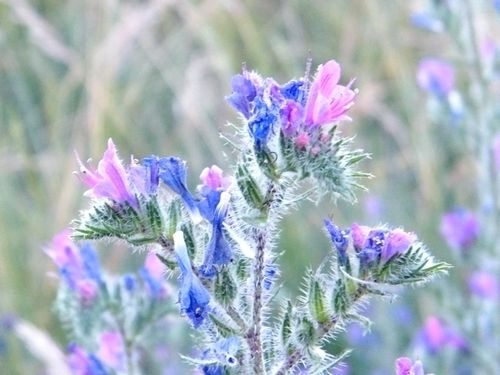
column 112, row 306
column 296, row 109
column 364, row 250
column 220, row 241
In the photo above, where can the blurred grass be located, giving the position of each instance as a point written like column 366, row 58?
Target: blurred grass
column 153, row 75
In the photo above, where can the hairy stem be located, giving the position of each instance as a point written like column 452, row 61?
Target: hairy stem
column 321, row 332
column 254, row 333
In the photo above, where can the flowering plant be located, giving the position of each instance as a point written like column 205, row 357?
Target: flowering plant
column 221, row 242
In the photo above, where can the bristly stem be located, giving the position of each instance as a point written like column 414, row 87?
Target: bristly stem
column 254, row 334
column 321, row 332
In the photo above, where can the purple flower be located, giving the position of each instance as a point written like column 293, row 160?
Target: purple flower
column 436, row 76
column 193, row 297
column 109, row 180
column 173, row 174
column 459, row 228
column 243, row 94
column 218, row 251
column 145, row 177
column 291, row 115
column 484, row 285
column 328, row 101
column 405, row 366
column 112, row 350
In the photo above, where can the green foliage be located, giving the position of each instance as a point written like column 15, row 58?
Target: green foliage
column 138, row 226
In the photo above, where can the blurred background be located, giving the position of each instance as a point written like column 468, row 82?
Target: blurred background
column 152, row 74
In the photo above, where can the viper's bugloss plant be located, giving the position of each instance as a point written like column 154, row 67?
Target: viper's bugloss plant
column 220, row 242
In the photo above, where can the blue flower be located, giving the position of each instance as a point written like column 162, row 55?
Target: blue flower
column 223, row 353
column 129, row 282
column 155, row 286
column 426, row 21
column 207, row 205
column 261, row 123
column 193, row 297
column 243, row 94
column 91, row 262
column 375, row 244
column 152, row 165
column 340, row 239
column 271, row 273
column 219, row 250
column 293, row 90
column 173, row 174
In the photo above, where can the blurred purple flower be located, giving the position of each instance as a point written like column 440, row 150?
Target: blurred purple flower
column 373, row 206
column 459, row 228
column 496, row 5
column 484, row 285
column 328, row 101
column 82, row 363
column 435, row 335
column 153, row 274
column 405, row 366
column 436, row 76
column 426, row 21
column 79, row 267
column 109, row 180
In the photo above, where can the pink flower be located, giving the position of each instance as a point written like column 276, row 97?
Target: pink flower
column 484, row 285
column 154, row 266
column 87, row 290
column 214, row 179
column 398, row 242
column 436, row 76
column 405, row 366
column 109, row 180
column 302, row 140
column 328, row 101
column 359, row 235
column 112, row 350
